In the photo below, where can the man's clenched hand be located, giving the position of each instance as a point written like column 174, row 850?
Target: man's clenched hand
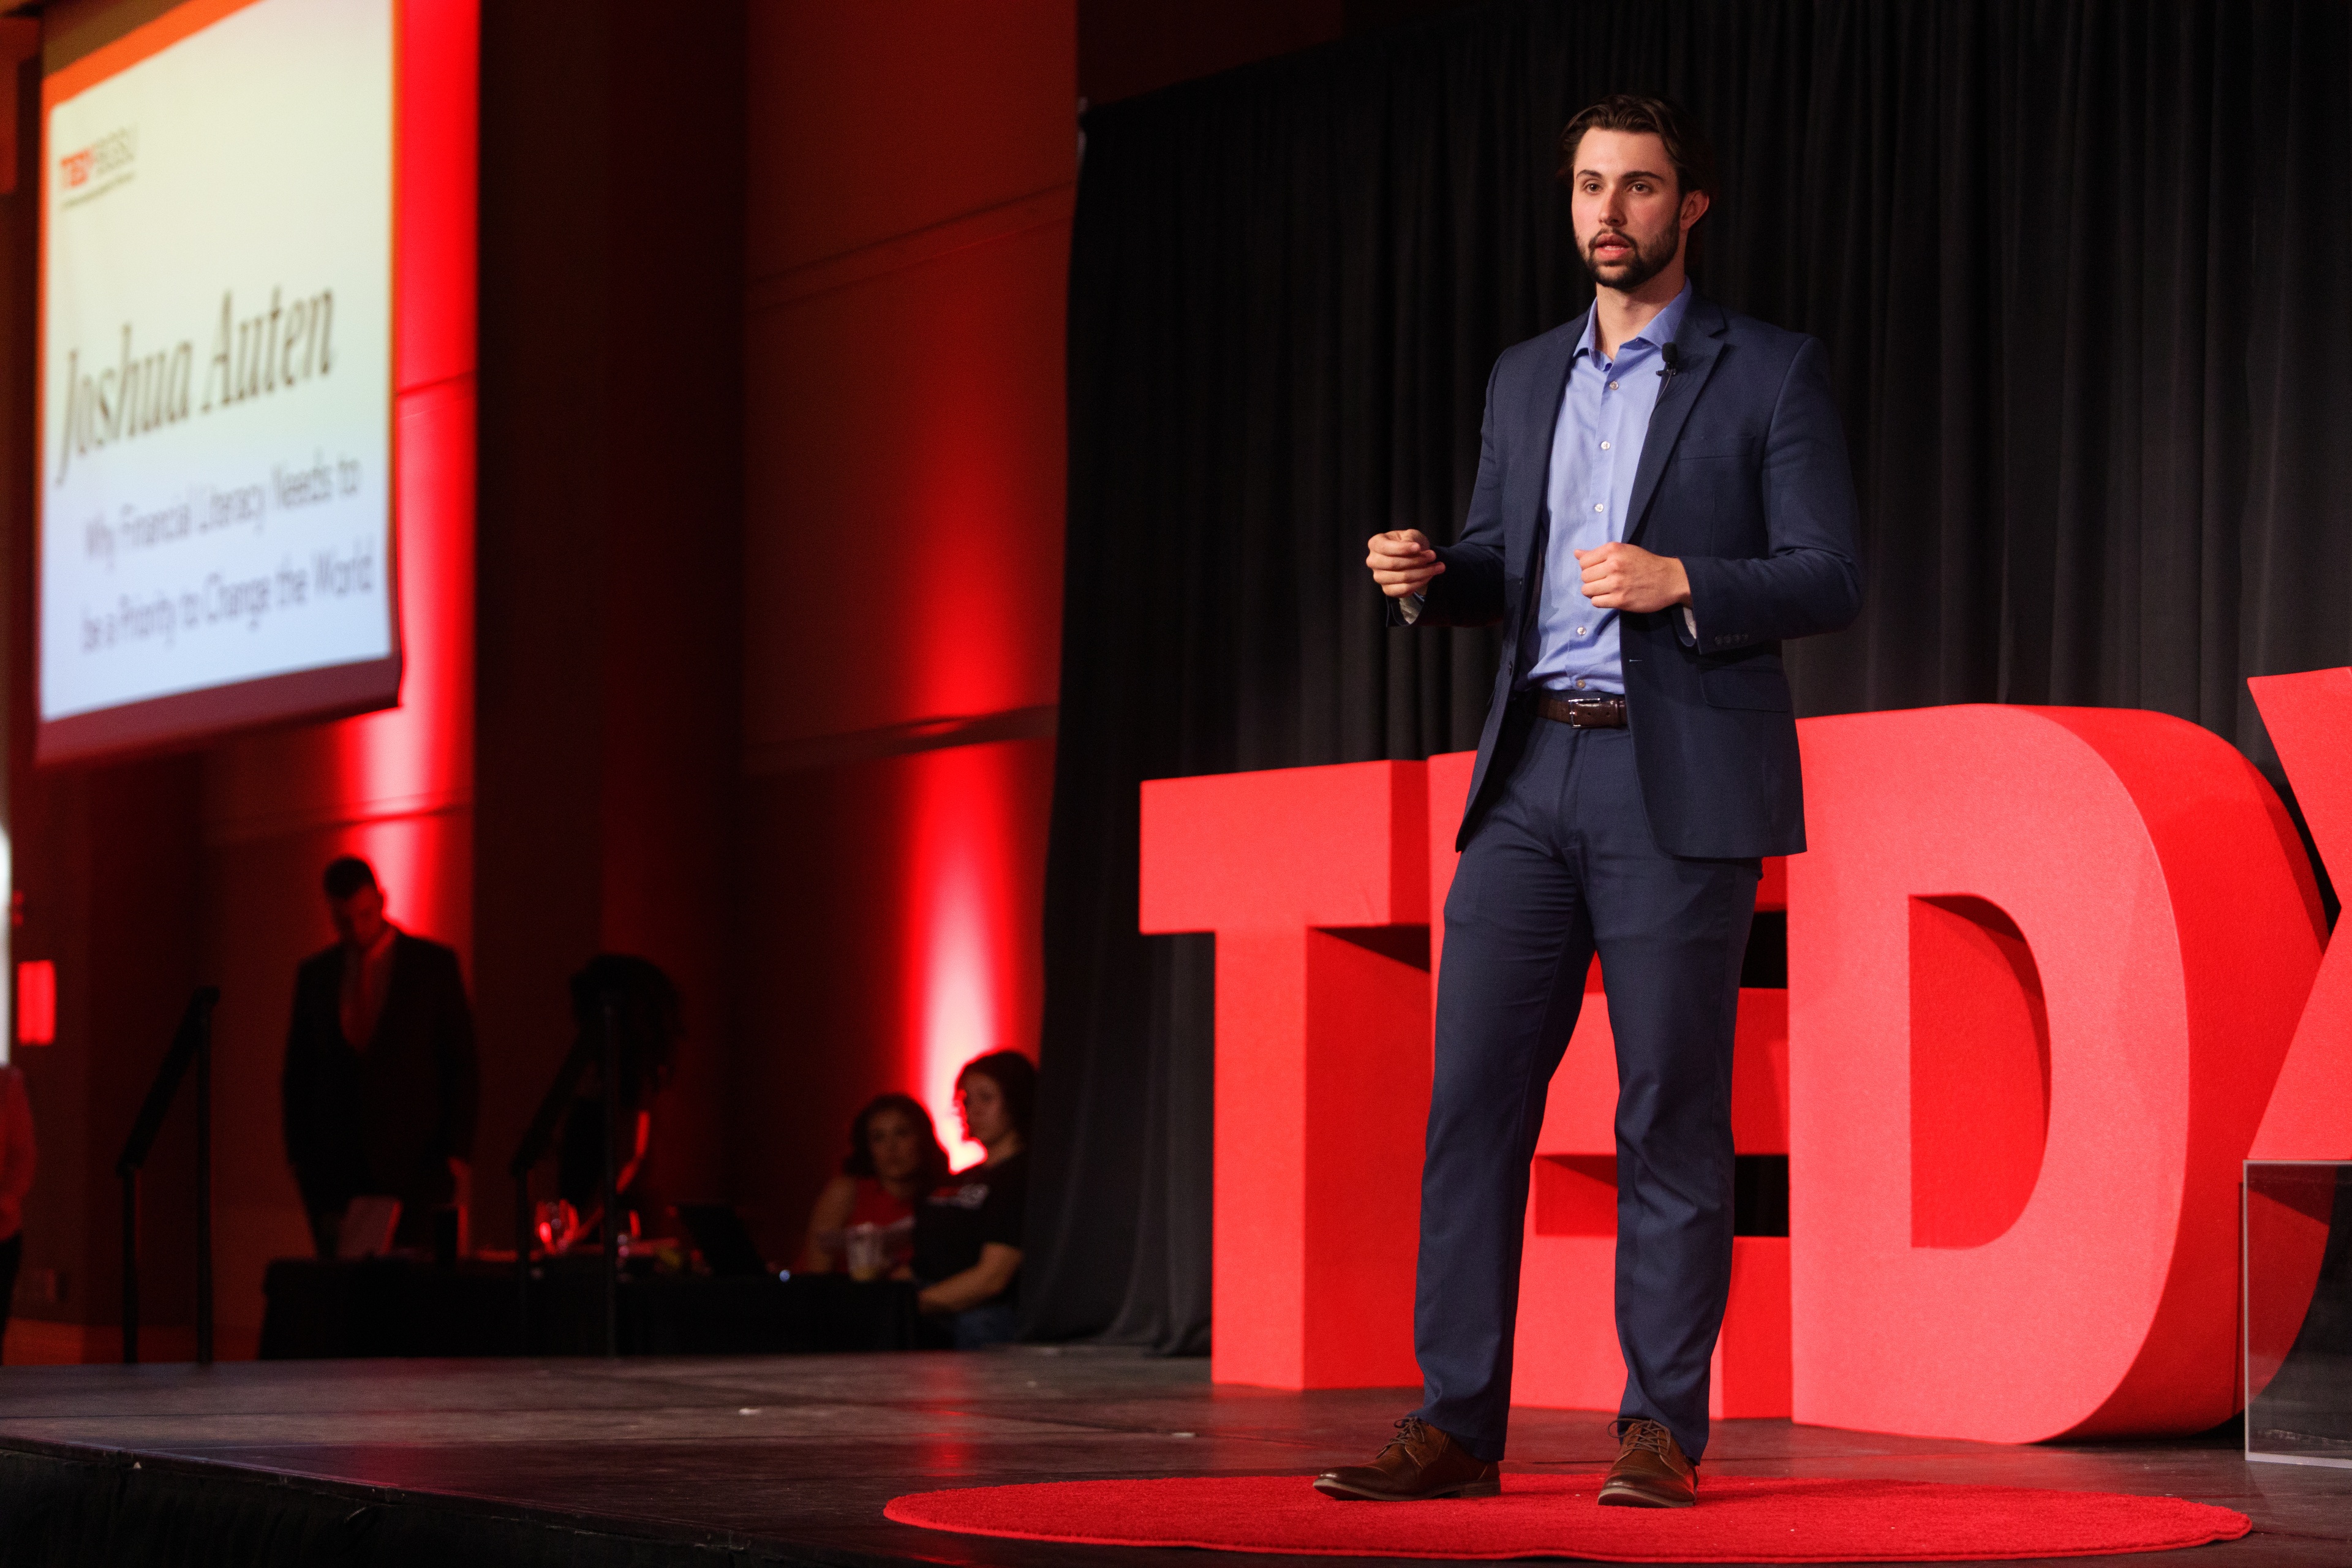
column 1628, row 577
column 1402, row 561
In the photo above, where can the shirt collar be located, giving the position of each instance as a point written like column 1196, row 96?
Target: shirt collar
column 1662, row 328
column 381, row 949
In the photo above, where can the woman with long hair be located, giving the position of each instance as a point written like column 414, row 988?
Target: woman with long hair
column 864, row 1221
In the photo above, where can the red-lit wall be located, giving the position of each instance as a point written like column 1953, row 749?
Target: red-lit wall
column 911, row 169
column 611, row 550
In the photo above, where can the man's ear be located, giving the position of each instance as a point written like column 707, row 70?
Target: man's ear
column 1694, row 205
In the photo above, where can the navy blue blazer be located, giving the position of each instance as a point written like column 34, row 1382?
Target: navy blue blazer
column 1744, row 477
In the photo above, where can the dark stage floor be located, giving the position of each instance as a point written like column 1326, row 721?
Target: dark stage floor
column 789, row 1459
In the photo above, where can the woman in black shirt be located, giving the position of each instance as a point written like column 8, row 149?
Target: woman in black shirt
column 968, row 1233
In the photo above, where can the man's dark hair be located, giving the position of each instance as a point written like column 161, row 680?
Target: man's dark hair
column 860, row 1162
column 1638, row 114
column 346, row 875
column 1014, row 1078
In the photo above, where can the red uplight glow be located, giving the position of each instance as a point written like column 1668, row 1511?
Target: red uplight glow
column 965, row 927
column 37, row 1003
column 405, row 771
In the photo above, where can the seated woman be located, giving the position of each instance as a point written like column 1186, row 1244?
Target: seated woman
column 864, row 1222
column 643, row 1004
column 968, row 1233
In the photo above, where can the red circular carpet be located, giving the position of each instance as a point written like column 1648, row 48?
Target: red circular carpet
column 1738, row 1520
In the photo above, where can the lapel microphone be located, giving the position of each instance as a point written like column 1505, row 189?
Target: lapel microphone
column 1673, row 354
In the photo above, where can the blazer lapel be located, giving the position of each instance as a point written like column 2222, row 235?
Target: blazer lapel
column 1524, row 525
column 1549, row 380
column 1698, row 342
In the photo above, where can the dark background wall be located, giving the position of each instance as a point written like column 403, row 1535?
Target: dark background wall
column 1126, row 48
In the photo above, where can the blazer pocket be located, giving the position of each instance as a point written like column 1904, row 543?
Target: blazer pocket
column 1702, row 451
column 1761, row 689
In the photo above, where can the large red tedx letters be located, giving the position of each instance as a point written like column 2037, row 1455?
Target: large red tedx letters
column 2045, row 967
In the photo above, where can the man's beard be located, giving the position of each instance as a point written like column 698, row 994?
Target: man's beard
column 1645, row 263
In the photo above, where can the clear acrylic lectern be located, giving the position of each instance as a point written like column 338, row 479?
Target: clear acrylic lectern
column 2298, row 1311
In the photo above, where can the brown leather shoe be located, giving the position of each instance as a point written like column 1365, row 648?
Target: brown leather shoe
column 1419, row 1462
column 1650, row 1471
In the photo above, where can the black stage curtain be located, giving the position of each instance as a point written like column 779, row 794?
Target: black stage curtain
column 2080, row 268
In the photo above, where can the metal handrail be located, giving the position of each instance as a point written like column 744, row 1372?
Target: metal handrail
column 192, row 1043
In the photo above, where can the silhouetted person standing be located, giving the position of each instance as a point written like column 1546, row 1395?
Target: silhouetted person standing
column 380, row 1083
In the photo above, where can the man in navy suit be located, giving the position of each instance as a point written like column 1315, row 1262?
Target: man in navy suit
column 1663, row 498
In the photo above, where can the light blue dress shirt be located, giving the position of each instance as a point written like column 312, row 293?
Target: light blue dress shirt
column 1595, row 449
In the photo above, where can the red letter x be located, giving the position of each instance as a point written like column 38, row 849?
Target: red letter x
column 2310, row 721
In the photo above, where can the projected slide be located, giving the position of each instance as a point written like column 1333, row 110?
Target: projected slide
column 216, row 366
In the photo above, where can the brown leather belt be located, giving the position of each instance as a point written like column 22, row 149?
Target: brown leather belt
column 1583, row 712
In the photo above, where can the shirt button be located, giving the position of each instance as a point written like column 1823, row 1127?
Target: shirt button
column 1613, row 386
column 1579, row 631
column 1597, row 506
column 1580, row 686
column 1604, row 445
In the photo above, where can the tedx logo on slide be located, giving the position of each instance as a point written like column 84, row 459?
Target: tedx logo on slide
column 107, row 160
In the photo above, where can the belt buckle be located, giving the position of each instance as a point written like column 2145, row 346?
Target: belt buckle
column 1592, row 712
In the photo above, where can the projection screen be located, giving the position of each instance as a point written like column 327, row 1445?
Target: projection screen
column 215, row 459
